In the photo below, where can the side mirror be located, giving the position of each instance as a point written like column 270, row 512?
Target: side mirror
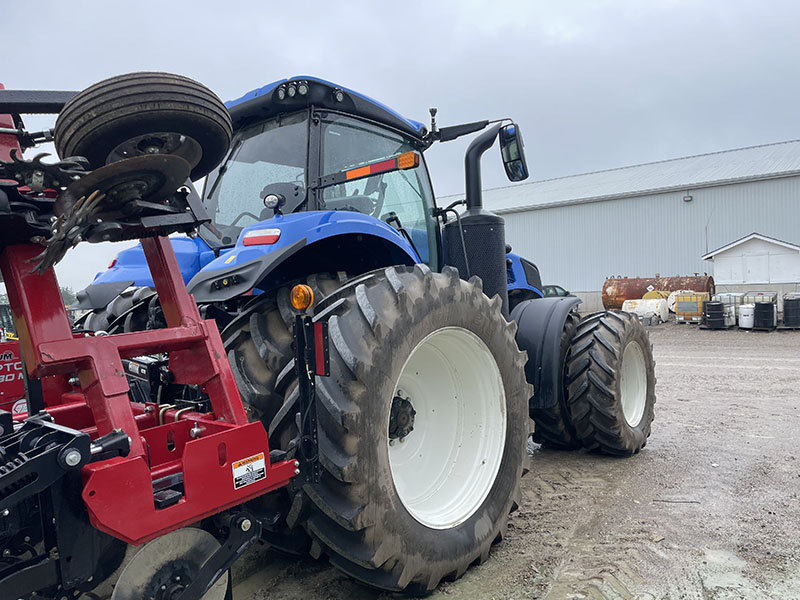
column 512, row 151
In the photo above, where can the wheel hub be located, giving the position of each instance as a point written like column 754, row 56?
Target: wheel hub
column 164, row 567
column 446, row 469
column 158, row 143
column 401, row 418
column 633, row 384
column 171, row 580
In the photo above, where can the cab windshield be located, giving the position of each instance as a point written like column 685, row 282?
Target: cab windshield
column 263, row 155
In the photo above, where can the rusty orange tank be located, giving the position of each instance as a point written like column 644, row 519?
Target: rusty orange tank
column 617, row 290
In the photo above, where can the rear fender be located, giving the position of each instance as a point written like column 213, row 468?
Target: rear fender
column 540, row 324
column 309, row 242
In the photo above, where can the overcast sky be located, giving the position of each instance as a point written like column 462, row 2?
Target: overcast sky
column 593, row 84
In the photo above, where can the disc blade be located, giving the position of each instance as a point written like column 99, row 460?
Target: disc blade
column 155, row 176
column 161, row 567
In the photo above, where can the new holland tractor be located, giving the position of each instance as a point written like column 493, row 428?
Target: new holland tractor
column 393, row 350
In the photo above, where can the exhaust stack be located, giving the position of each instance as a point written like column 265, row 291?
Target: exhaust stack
column 484, row 249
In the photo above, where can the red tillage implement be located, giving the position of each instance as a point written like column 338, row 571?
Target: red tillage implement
column 84, row 457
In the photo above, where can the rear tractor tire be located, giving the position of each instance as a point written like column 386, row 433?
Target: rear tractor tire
column 611, row 383
column 422, row 427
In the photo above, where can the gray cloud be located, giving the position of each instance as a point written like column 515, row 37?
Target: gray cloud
column 593, row 84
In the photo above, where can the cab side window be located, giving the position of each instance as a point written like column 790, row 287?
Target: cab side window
column 401, row 198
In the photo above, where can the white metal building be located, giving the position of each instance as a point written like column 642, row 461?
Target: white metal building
column 658, row 218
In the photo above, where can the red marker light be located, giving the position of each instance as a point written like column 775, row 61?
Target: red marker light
column 258, row 237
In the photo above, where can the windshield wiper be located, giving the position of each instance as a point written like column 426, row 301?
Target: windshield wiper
column 223, row 168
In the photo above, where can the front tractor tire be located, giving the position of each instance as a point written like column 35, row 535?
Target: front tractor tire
column 611, row 383
column 125, row 313
column 422, row 427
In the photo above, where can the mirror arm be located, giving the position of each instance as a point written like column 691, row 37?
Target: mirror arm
column 446, row 134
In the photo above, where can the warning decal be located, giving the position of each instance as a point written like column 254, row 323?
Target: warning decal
column 249, row 470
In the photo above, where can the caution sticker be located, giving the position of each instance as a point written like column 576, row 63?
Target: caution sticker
column 249, row 470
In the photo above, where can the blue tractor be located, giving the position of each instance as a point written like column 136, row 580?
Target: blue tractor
column 424, row 420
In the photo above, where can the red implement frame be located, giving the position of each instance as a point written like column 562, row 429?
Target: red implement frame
column 224, row 459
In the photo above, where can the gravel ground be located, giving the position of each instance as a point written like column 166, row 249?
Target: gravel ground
column 709, row 510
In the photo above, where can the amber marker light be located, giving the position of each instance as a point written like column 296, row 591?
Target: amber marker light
column 408, row 160
column 301, row 297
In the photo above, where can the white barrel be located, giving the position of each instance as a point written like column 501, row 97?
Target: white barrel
column 671, row 299
column 747, row 316
column 648, row 308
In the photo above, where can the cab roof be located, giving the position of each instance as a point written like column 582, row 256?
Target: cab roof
column 275, row 98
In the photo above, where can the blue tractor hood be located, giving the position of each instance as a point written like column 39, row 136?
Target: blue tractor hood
column 130, row 265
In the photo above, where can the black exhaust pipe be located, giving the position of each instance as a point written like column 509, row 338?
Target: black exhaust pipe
column 472, row 165
column 484, row 250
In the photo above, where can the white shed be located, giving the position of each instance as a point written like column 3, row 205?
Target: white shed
column 756, row 258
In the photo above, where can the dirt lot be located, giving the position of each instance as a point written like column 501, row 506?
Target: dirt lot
column 710, row 509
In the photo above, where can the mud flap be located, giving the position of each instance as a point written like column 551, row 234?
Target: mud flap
column 540, row 324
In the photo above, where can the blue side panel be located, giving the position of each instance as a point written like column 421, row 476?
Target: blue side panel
column 131, row 265
column 516, row 275
column 313, row 226
column 251, row 95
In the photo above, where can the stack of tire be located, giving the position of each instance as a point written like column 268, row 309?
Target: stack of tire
column 714, row 314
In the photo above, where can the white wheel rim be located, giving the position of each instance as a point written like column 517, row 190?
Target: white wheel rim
column 633, row 383
column 445, row 467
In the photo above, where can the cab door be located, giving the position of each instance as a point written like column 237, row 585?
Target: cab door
column 403, row 198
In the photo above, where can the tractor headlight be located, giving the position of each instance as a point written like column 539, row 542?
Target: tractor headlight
column 291, row 90
column 281, row 93
column 302, row 88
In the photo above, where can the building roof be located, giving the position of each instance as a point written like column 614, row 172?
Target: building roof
column 747, row 238
column 703, row 170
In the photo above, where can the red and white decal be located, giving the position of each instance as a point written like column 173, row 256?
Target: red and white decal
column 249, row 470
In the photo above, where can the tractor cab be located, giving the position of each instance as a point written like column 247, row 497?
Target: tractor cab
column 320, row 178
column 308, row 145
